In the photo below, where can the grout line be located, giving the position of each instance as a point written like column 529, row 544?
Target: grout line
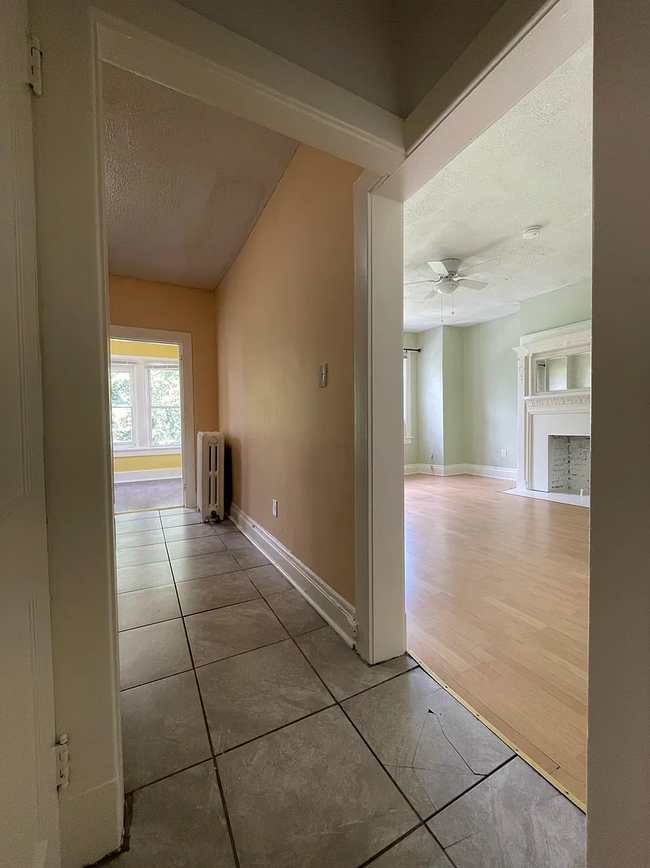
column 390, row 846
column 155, row 680
column 275, row 729
column 439, row 843
column 207, row 727
column 165, row 777
column 469, row 789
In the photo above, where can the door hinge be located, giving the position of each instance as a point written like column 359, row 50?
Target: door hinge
column 62, row 762
column 35, row 78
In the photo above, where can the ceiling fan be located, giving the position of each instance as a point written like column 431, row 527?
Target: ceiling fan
column 447, row 276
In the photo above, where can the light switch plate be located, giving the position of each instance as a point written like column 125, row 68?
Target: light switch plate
column 274, row 508
column 322, row 376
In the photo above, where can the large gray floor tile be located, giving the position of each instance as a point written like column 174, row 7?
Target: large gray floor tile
column 237, row 540
column 221, row 633
column 311, row 794
column 152, row 652
column 432, row 746
column 248, row 559
column 225, row 526
column 137, row 526
column 253, row 693
column 513, row 818
column 163, row 730
column 203, row 565
column 417, row 850
column 341, row 668
column 121, row 518
column 294, row 612
column 179, row 823
column 213, row 592
column 268, row 580
column 143, row 538
column 178, row 519
column 143, row 576
column 187, row 531
column 138, row 608
column 133, row 557
column 189, row 548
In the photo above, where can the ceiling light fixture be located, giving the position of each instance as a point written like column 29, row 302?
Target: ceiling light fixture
column 532, row 231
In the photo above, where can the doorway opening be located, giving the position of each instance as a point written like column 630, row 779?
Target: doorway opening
column 147, row 395
column 497, row 400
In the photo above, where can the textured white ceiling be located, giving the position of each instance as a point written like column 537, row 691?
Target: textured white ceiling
column 532, row 167
column 185, row 182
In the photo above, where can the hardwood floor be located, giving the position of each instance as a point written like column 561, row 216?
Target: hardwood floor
column 496, row 599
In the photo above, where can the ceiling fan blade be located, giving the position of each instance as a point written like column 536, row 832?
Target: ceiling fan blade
column 472, row 284
column 439, row 268
column 414, row 282
column 482, row 266
column 431, row 294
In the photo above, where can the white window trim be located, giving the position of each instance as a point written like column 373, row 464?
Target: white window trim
column 408, row 409
column 141, row 404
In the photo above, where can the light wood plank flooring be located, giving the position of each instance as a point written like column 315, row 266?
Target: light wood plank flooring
column 496, row 598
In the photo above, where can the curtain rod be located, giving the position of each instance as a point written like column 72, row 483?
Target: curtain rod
column 411, row 350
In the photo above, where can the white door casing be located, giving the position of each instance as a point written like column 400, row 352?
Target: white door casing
column 29, row 816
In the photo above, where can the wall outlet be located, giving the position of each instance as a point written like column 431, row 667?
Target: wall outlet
column 322, row 376
column 274, row 507
column 504, row 453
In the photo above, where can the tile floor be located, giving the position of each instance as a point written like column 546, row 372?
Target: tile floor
column 255, row 738
column 148, row 494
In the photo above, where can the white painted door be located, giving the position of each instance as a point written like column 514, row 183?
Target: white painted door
column 29, row 827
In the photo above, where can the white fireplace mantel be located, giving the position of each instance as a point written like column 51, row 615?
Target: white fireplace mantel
column 564, row 413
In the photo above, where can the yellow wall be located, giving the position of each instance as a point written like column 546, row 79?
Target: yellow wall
column 146, row 304
column 146, row 462
column 148, row 349
column 144, row 348
column 285, row 306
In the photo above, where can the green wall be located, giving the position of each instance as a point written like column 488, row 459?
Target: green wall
column 554, row 309
column 411, row 449
column 467, row 381
column 490, row 399
column 430, row 427
column 453, row 389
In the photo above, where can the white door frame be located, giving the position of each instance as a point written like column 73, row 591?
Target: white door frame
column 184, row 342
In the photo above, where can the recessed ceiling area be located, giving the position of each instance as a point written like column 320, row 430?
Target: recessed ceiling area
column 532, row 167
column 184, row 182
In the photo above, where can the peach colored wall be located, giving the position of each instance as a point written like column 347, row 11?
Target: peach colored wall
column 145, row 304
column 284, row 307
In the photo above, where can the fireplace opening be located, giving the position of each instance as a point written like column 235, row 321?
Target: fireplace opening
column 569, row 464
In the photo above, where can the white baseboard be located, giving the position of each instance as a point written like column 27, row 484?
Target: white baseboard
column 140, row 475
column 338, row 613
column 493, row 472
column 457, row 469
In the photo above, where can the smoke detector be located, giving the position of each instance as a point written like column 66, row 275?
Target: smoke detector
column 532, row 231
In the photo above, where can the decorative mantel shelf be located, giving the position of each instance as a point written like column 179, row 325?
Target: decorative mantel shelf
column 547, row 361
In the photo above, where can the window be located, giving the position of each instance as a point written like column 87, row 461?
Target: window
column 406, row 373
column 145, row 405
column 122, row 404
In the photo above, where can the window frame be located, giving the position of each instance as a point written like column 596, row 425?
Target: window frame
column 139, row 367
column 407, row 409
column 126, row 368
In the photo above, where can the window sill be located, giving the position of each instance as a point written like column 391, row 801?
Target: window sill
column 136, row 452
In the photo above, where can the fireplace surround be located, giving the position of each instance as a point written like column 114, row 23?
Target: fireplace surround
column 554, row 412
